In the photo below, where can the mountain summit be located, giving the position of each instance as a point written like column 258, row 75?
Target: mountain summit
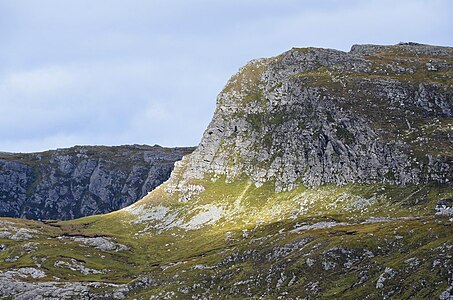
column 316, row 116
column 323, row 175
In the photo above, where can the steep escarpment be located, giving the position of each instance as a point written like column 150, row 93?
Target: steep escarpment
column 71, row 183
column 316, row 116
column 323, row 175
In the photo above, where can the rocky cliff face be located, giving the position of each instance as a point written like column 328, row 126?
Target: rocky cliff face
column 323, row 175
column 315, row 116
column 80, row 181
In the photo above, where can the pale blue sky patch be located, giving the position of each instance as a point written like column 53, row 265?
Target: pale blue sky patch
column 142, row 71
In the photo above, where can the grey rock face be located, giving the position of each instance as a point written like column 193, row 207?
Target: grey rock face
column 317, row 116
column 70, row 183
column 14, row 288
column 101, row 243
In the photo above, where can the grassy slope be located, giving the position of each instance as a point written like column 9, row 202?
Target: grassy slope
column 255, row 244
column 256, row 249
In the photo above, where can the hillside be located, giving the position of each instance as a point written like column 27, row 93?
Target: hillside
column 80, row 181
column 322, row 175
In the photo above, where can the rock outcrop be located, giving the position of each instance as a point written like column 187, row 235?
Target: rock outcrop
column 83, row 180
column 323, row 175
column 317, row 116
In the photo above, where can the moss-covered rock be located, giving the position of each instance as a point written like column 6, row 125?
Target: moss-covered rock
column 323, row 175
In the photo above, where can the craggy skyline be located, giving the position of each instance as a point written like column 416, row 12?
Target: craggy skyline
column 116, row 72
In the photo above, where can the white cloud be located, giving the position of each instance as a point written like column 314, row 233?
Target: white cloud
column 139, row 71
column 36, row 82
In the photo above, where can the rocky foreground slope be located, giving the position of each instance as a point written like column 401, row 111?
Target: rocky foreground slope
column 323, row 175
column 80, row 181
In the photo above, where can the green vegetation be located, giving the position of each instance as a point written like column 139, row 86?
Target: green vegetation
column 256, row 120
column 235, row 239
column 303, row 50
column 254, row 98
column 36, row 180
column 259, row 235
column 344, row 134
column 247, row 79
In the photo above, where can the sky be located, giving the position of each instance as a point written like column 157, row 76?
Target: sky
column 114, row 72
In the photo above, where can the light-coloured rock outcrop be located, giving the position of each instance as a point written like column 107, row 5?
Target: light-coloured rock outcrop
column 316, row 116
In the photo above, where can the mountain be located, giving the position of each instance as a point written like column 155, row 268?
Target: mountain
column 323, row 175
column 83, row 180
column 319, row 116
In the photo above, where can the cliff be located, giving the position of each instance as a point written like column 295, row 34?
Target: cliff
column 323, row 175
column 317, row 116
column 83, row 180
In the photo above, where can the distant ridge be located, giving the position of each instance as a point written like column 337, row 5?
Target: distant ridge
column 74, row 182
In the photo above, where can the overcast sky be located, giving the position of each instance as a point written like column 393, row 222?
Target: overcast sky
column 111, row 72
